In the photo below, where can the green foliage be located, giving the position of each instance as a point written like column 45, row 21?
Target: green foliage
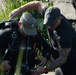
column 9, row 6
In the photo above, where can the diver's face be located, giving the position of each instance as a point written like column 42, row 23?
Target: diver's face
column 21, row 30
column 56, row 23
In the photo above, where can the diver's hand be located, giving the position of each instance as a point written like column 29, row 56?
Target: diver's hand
column 5, row 65
column 14, row 13
column 43, row 61
column 38, row 71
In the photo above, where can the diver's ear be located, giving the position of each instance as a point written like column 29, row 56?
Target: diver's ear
column 19, row 23
column 59, row 17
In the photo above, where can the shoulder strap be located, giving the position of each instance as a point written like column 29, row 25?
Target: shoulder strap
column 12, row 41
